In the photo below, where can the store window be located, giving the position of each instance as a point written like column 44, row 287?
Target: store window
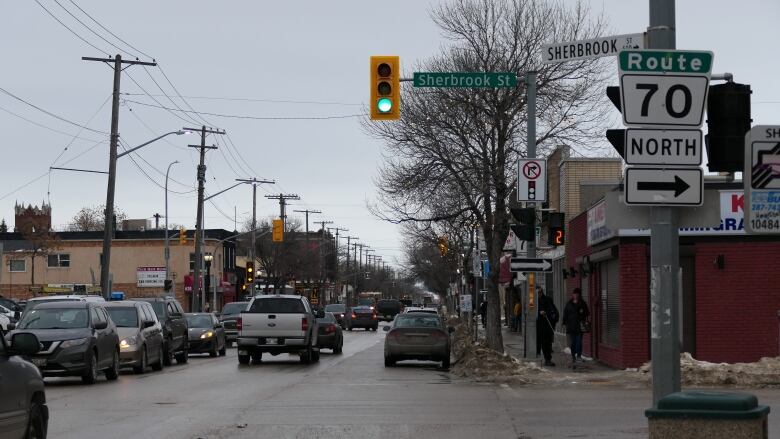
column 17, row 265
column 59, row 260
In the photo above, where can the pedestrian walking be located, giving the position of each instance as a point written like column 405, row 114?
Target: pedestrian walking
column 576, row 319
column 483, row 313
column 546, row 320
column 516, row 315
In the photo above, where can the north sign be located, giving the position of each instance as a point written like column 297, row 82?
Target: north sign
column 663, row 147
column 762, row 180
column 590, row 49
column 664, row 186
column 543, row 265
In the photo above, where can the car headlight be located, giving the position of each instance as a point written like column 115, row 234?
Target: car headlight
column 127, row 342
column 74, row 342
column 208, row 334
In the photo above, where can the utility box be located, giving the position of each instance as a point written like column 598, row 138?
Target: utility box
column 708, row 415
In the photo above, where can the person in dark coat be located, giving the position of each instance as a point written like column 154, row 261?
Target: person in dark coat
column 483, row 313
column 575, row 315
column 546, row 320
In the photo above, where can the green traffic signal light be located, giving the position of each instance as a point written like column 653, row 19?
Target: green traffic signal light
column 384, row 105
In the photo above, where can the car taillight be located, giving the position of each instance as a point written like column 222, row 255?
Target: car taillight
column 330, row 328
column 373, row 316
column 354, row 316
column 304, row 324
column 393, row 334
column 239, row 323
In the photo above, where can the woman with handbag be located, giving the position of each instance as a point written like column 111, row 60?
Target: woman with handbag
column 576, row 318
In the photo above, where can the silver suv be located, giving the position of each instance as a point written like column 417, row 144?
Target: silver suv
column 23, row 409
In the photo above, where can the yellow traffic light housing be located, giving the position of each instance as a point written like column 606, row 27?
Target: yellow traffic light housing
column 250, row 272
column 278, row 231
column 182, row 236
column 385, row 103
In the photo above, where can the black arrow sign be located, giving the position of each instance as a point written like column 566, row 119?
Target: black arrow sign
column 678, row 186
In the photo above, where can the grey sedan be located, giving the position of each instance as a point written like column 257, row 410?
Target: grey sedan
column 417, row 336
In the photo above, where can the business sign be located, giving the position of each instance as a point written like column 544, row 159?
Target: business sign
column 664, row 87
column 465, row 79
column 663, row 147
column 597, row 224
column 591, row 49
column 762, row 180
column 150, row 277
column 532, row 180
column 664, row 186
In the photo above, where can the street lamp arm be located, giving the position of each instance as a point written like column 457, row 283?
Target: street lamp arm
column 222, row 191
column 178, row 133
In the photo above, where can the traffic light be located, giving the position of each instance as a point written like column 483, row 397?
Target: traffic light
column 728, row 119
column 182, row 236
column 385, row 88
column 557, row 229
column 278, row 230
column 250, row 272
column 526, row 230
column 616, row 137
column 444, row 246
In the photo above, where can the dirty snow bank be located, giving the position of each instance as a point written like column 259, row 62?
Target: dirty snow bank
column 763, row 373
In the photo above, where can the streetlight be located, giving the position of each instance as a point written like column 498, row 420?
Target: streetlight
column 108, row 225
column 208, row 257
column 167, row 244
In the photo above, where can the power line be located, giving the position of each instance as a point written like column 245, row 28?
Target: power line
column 93, row 32
column 169, row 98
column 126, row 147
column 65, row 149
column 49, row 113
column 46, row 127
column 238, row 116
column 273, row 101
column 154, row 99
column 111, row 33
column 71, row 30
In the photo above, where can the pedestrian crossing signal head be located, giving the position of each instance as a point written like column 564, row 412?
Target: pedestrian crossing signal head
column 385, row 88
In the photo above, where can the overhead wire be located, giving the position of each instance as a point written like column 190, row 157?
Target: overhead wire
column 91, row 118
column 92, row 31
column 272, row 101
column 149, row 177
column 40, row 125
column 125, row 147
column 109, row 31
column 71, row 30
column 239, row 116
column 49, row 113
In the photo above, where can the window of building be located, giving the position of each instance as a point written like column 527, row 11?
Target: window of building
column 17, row 265
column 59, row 260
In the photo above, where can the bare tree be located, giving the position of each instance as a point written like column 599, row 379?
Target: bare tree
column 91, row 219
column 452, row 154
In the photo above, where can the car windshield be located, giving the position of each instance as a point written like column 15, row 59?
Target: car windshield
column 55, row 318
column 126, row 317
column 417, row 321
column 335, row 307
column 327, row 319
column 199, row 321
column 278, row 305
column 234, row 308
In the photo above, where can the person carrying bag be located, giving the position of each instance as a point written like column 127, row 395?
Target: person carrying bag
column 576, row 319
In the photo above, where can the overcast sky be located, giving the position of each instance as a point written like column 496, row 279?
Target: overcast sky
column 265, row 59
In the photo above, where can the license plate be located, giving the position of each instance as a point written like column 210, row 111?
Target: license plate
column 39, row 361
column 271, row 341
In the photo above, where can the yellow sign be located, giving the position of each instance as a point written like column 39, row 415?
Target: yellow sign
column 531, row 291
column 278, row 233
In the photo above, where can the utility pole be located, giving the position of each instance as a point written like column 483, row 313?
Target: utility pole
column 108, row 224
column 308, row 250
column 197, row 292
column 349, row 240
column 336, row 265
column 664, row 248
column 254, row 182
column 283, row 203
column 322, row 238
column 156, row 217
column 532, row 299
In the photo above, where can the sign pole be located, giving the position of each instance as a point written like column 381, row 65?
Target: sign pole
column 664, row 248
column 530, row 313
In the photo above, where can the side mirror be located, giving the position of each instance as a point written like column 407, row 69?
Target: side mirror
column 148, row 323
column 11, row 326
column 101, row 325
column 385, row 328
column 25, row 343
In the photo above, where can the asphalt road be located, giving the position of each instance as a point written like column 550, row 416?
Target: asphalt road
column 350, row 395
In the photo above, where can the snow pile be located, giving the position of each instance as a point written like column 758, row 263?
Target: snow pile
column 477, row 361
column 763, row 373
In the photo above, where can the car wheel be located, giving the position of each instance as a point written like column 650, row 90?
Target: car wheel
column 90, row 374
column 257, row 358
column 36, row 426
column 375, row 328
column 213, row 352
column 337, row 350
column 306, row 357
column 389, row 362
column 349, row 328
column 315, row 356
column 445, row 363
column 159, row 364
column 168, row 354
column 141, row 368
column 223, row 351
column 183, row 356
column 243, row 359
column 112, row 373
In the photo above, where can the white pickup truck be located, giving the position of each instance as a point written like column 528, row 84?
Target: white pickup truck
column 278, row 324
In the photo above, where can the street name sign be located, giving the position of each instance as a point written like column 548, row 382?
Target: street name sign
column 465, row 79
column 664, row 87
column 762, row 180
column 664, row 186
column 663, row 147
column 532, row 180
column 590, row 49
column 543, row 265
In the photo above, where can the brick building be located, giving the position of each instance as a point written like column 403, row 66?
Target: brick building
column 730, row 301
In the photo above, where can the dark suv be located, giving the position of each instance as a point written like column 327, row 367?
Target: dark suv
column 23, row 410
column 171, row 316
column 230, row 313
column 77, row 339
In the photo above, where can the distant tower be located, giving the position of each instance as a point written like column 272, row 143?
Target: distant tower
column 32, row 216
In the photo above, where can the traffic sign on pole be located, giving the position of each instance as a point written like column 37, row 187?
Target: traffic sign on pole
column 762, row 180
column 663, row 147
column 543, row 265
column 532, row 180
column 590, row 49
column 664, row 186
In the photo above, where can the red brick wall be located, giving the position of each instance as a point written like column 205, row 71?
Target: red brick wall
column 634, row 306
column 736, row 308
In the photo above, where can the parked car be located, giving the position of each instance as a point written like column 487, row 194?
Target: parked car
column 338, row 310
column 421, row 310
column 77, row 339
column 278, row 324
column 417, row 336
column 140, row 334
column 329, row 333
column 13, row 306
column 387, row 309
column 206, row 334
column 12, row 316
column 171, row 316
column 35, row 301
column 361, row 317
column 23, row 410
column 230, row 313
column 4, row 322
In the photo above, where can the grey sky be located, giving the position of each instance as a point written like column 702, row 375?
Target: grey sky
column 310, row 51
